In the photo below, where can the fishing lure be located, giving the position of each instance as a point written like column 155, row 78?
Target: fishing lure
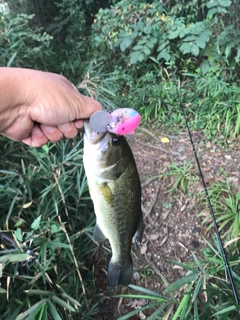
column 121, row 121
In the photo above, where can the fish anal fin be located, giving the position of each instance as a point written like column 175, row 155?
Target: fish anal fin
column 118, row 274
column 98, row 235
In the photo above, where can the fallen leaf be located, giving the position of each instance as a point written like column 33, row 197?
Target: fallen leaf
column 164, row 240
column 143, row 248
column 183, row 208
column 27, row 205
column 137, row 303
column 165, row 140
column 153, row 236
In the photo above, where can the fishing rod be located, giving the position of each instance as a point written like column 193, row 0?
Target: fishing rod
column 226, row 263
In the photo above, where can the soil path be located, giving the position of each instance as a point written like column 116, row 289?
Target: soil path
column 173, row 226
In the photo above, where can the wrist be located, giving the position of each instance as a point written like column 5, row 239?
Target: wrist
column 11, row 95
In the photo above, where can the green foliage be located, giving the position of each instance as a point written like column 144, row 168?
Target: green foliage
column 215, row 104
column 226, row 204
column 203, row 293
column 21, row 45
column 183, row 175
column 47, row 214
column 142, row 30
column 44, row 200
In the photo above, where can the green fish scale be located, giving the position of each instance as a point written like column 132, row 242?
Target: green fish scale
column 119, row 219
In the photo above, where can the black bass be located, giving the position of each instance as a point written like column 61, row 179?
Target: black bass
column 115, row 189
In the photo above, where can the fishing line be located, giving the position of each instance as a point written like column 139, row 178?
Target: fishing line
column 227, row 266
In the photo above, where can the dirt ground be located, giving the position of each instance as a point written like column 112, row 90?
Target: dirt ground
column 173, row 227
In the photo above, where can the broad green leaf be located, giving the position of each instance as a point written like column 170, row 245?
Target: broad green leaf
column 126, row 43
column 147, row 51
column 212, row 3
column 185, row 48
column 205, row 36
column 162, row 46
column 225, row 3
column 134, row 57
column 141, row 57
column 183, row 32
column 174, row 34
column 55, row 228
column 138, row 47
column 36, row 223
column 154, row 40
column 149, row 45
column 142, row 41
column 164, row 55
column 195, row 50
column 18, row 234
column 190, row 38
column 200, row 42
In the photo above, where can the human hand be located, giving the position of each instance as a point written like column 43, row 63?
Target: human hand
column 38, row 107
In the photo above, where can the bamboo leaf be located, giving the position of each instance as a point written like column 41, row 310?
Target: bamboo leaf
column 181, row 282
column 63, row 303
column 37, row 305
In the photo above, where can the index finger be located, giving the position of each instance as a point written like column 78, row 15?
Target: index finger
column 90, row 106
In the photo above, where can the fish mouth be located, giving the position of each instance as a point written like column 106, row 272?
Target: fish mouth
column 100, row 140
column 92, row 136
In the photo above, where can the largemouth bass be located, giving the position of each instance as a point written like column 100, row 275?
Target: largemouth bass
column 115, row 189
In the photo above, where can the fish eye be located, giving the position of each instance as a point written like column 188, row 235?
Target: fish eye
column 116, row 141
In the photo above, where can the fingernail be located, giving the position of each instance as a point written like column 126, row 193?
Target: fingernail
column 78, row 124
column 49, row 129
column 38, row 132
column 67, row 127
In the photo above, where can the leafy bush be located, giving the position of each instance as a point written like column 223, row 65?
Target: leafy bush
column 141, row 30
column 46, row 213
column 21, row 45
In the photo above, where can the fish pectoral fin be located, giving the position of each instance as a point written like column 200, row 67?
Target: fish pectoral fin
column 98, row 235
column 106, row 192
column 139, row 233
column 118, row 274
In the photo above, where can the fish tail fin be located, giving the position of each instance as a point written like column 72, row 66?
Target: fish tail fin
column 119, row 275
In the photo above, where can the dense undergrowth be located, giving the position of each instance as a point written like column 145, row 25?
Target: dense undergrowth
column 125, row 53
